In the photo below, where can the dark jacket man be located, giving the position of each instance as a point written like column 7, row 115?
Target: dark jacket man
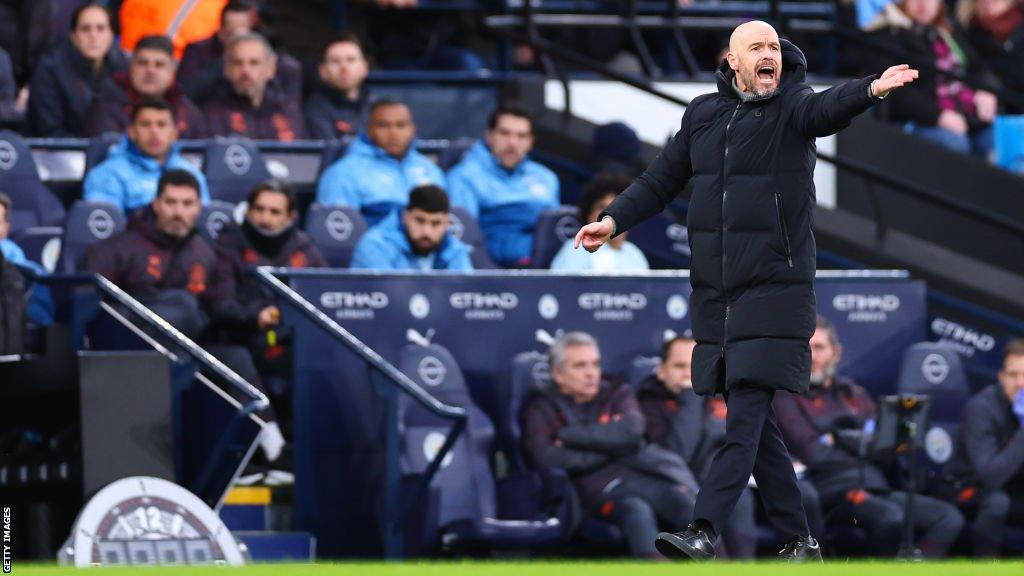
column 277, row 118
column 331, row 114
column 597, row 443
column 243, row 247
column 144, row 261
column 751, row 162
column 111, row 110
column 63, row 87
column 990, row 442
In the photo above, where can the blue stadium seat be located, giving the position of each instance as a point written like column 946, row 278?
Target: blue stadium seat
column 553, row 228
column 464, row 227
column 213, row 219
column 335, row 230
column 34, row 204
column 664, row 241
column 99, row 148
column 41, row 244
column 467, row 505
column 88, row 223
column 451, row 155
column 233, row 166
column 529, row 371
column 333, row 150
column 642, row 367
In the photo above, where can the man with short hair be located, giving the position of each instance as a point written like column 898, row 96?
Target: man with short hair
column 416, row 239
column 594, row 430
column 163, row 263
column 128, row 177
column 502, row 188
column 381, row 167
column 247, row 102
column 150, row 74
column 829, row 428
column 340, row 104
column 988, row 461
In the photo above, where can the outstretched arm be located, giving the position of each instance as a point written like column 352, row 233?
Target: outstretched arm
column 825, row 113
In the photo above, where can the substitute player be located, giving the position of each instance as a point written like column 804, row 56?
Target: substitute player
column 749, row 149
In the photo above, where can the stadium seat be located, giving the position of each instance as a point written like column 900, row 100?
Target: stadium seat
column 464, row 227
column 233, row 166
column 34, row 204
column 467, row 497
column 88, row 223
column 41, row 244
column 663, row 240
column 454, row 152
column 553, row 228
column 213, row 219
column 333, row 150
column 335, row 230
column 642, row 367
column 99, row 148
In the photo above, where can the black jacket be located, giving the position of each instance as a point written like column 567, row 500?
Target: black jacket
column 750, row 217
column 684, row 423
column 330, row 114
column 63, row 87
column 990, row 441
column 12, row 308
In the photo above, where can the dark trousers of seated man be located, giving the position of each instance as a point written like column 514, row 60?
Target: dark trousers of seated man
column 992, row 511
column 183, row 311
column 638, row 504
column 936, row 522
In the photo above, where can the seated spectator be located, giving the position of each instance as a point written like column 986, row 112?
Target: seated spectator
column 594, row 430
column 163, row 263
column 247, row 102
column 339, row 105
column 416, row 239
column 623, row 256
column 249, row 316
column 995, row 29
column 73, row 72
column 183, row 21
column 128, row 177
column 40, row 303
column 27, row 29
column 12, row 302
column 150, row 75
column 12, row 101
column 502, row 188
column 694, row 428
column 988, row 460
column 828, row 430
column 938, row 107
column 381, row 167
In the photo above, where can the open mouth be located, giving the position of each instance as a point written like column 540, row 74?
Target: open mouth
column 766, row 73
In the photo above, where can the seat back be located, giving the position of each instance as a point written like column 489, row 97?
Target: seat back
column 935, row 369
column 553, row 228
column 464, row 227
column 454, row 153
column 88, row 223
column 213, row 218
column 33, row 203
column 464, row 483
column 333, row 150
column 335, row 230
column 99, row 148
column 529, row 370
column 41, row 244
column 233, row 167
column 663, row 240
column 642, row 367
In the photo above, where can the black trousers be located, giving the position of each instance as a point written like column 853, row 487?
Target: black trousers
column 639, row 502
column 936, row 523
column 753, row 444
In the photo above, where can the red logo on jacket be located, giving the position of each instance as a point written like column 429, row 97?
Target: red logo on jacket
column 197, row 279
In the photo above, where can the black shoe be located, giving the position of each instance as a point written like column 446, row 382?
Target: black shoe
column 801, row 549
column 690, row 543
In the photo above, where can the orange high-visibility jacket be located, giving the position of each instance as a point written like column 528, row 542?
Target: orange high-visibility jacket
column 184, row 21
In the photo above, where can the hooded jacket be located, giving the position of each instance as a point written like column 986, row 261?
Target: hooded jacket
column 386, row 247
column 63, row 87
column 506, row 202
column 751, row 164
column 689, row 425
column 128, row 178
column 111, row 110
column 596, row 443
column 243, row 247
column 369, row 179
column 144, row 261
column 836, row 463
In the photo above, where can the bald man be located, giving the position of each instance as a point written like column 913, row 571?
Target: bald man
column 749, row 150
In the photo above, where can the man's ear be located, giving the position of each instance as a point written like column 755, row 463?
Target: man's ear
column 734, row 62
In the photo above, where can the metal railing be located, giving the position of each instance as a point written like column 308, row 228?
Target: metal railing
column 398, row 507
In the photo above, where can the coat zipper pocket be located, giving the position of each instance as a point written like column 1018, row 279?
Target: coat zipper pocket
column 783, row 229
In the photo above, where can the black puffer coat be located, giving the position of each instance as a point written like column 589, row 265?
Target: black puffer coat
column 749, row 220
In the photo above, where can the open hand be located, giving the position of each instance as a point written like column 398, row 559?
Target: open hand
column 893, row 78
column 987, row 106
column 593, row 235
